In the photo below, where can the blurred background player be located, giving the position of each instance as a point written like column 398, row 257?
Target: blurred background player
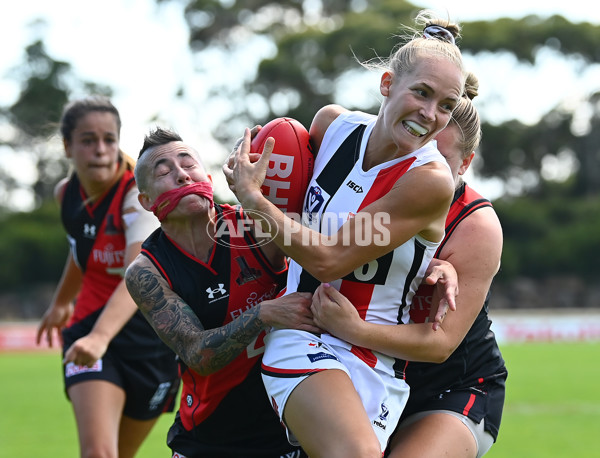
column 118, row 374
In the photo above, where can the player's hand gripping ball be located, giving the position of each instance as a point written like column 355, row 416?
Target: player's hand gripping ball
column 291, row 163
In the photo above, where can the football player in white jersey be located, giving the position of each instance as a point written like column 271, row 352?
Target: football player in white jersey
column 373, row 217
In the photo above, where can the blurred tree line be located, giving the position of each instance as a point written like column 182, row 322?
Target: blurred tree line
column 33, row 244
column 551, row 225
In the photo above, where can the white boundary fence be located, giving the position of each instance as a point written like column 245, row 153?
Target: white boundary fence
column 549, row 325
column 510, row 326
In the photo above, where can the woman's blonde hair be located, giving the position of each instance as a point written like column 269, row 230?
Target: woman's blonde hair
column 432, row 35
column 466, row 117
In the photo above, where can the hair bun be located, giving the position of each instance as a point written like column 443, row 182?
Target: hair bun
column 471, row 86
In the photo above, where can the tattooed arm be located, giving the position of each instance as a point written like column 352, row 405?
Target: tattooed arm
column 208, row 350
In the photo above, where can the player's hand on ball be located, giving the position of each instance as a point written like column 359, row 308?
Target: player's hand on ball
column 248, row 176
column 228, row 165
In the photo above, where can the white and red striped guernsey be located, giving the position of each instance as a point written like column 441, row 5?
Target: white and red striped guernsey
column 382, row 289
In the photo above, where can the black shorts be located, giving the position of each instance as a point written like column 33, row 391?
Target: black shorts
column 477, row 402
column 185, row 444
column 150, row 384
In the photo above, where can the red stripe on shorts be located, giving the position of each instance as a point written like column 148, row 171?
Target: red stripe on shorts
column 277, row 372
column 469, row 405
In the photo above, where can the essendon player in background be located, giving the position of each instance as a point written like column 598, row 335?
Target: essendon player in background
column 118, row 374
column 468, row 387
column 209, row 288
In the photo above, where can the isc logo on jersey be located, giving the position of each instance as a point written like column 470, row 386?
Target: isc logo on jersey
column 290, row 165
column 355, row 187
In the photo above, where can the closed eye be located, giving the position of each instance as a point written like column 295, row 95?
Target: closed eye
column 161, row 170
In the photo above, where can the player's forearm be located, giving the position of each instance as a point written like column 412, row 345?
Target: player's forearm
column 69, row 284
column 327, row 258
column 412, row 342
column 215, row 348
column 203, row 350
column 118, row 311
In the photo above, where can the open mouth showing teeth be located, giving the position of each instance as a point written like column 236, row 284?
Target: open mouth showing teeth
column 414, row 128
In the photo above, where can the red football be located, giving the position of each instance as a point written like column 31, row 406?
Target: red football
column 291, row 163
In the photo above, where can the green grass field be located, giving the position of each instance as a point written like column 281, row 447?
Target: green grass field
column 36, row 418
column 552, row 408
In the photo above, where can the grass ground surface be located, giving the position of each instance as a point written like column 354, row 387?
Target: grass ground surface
column 552, row 407
column 552, row 402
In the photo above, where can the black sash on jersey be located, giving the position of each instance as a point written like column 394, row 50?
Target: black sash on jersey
column 330, row 179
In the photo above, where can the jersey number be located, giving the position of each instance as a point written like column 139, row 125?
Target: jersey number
column 374, row 272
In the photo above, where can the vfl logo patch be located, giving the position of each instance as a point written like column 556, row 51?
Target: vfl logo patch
column 384, row 412
column 319, row 356
column 72, row 369
column 314, row 202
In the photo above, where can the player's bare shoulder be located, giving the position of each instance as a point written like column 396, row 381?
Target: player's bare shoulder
column 476, row 243
column 321, row 121
column 483, row 223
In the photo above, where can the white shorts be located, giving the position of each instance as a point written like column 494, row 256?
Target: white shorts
column 291, row 356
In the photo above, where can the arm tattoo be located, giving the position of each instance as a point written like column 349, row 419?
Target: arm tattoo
column 203, row 350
